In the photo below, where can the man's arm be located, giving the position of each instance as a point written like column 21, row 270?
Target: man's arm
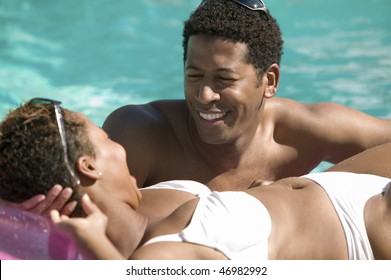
column 333, row 131
column 351, row 131
column 376, row 160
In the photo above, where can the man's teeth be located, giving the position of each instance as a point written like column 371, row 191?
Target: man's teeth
column 211, row 117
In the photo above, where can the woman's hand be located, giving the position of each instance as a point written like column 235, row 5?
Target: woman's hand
column 88, row 233
column 55, row 199
column 82, row 228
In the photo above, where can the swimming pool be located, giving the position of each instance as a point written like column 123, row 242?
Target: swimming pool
column 97, row 55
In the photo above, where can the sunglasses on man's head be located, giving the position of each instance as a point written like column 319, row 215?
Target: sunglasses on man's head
column 61, row 129
column 255, row 5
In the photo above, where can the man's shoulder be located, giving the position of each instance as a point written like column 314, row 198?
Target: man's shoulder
column 169, row 108
column 285, row 109
column 283, row 102
column 152, row 112
column 150, row 124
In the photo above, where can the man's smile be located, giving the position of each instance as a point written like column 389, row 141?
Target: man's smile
column 212, row 116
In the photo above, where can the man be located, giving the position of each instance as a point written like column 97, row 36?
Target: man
column 230, row 130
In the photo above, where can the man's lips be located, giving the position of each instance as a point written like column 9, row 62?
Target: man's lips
column 212, row 116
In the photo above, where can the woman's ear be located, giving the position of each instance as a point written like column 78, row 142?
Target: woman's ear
column 273, row 79
column 87, row 167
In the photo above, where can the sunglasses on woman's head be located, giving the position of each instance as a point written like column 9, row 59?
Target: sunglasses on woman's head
column 61, row 129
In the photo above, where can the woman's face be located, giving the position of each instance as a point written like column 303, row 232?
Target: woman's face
column 117, row 184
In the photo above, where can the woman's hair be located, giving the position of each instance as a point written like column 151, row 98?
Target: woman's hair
column 238, row 24
column 31, row 152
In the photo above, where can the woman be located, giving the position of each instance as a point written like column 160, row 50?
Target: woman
column 293, row 218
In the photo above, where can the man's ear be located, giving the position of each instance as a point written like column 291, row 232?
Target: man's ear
column 273, row 79
column 87, row 167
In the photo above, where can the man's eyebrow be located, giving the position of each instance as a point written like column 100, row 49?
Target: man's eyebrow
column 191, row 67
column 229, row 70
column 223, row 69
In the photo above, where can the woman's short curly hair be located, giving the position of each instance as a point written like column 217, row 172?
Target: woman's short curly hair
column 31, row 153
column 236, row 23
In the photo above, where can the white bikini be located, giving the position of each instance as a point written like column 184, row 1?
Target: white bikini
column 189, row 186
column 238, row 225
column 222, row 221
column 349, row 193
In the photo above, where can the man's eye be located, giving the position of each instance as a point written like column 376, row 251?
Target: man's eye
column 193, row 76
column 227, row 79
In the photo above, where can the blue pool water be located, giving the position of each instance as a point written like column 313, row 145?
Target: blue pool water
column 97, row 55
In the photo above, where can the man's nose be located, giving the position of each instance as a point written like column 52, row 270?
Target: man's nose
column 206, row 94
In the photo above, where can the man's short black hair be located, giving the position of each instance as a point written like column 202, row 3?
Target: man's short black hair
column 236, row 23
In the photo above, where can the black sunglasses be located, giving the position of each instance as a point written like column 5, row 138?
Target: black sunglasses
column 61, row 129
column 255, row 5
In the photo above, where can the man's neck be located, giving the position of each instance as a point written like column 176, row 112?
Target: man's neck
column 231, row 154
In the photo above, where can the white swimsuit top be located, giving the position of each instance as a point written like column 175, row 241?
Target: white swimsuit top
column 189, row 186
column 235, row 223
column 221, row 219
